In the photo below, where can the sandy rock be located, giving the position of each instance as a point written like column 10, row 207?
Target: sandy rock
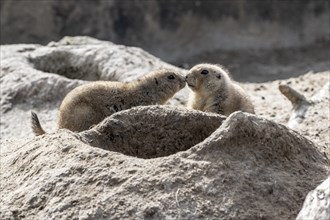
column 272, row 104
column 35, row 77
column 249, row 168
column 317, row 203
column 89, row 59
column 152, row 131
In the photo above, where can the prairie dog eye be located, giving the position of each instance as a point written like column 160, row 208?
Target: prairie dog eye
column 170, row 77
column 204, row 72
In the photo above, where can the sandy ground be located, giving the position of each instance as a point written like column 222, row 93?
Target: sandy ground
column 271, row 104
column 249, row 168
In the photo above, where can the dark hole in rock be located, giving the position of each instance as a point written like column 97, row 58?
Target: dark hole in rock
column 68, row 64
column 152, row 131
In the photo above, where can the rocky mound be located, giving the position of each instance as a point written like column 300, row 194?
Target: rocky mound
column 152, row 162
column 249, row 168
column 152, row 131
column 316, row 205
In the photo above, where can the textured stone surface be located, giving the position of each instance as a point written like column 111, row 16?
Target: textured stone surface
column 317, row 203
column 249, row 168
column 153, row 131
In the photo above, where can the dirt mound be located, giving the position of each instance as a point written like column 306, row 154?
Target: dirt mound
column 153, row 162
column 249, row 168
column 153, row 131
column 316, row 205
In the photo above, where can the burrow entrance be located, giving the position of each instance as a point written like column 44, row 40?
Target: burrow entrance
column 152, row 131
column 70, row 65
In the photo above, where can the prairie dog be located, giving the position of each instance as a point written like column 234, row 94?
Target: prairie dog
column 214, row 91
column 89, row 104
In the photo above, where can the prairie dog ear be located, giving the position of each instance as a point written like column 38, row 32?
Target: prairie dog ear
column 224, row 70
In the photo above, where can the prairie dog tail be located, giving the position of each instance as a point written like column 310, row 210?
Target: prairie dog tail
column 36, row 127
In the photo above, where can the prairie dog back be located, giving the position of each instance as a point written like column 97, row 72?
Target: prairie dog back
column 87, row 105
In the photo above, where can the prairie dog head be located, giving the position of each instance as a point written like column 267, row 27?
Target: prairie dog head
column 160, row 85
column 166, row 79
column 207, row 78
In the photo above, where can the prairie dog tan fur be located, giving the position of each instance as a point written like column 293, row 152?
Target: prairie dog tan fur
column 89, row 104
column 214, row 91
